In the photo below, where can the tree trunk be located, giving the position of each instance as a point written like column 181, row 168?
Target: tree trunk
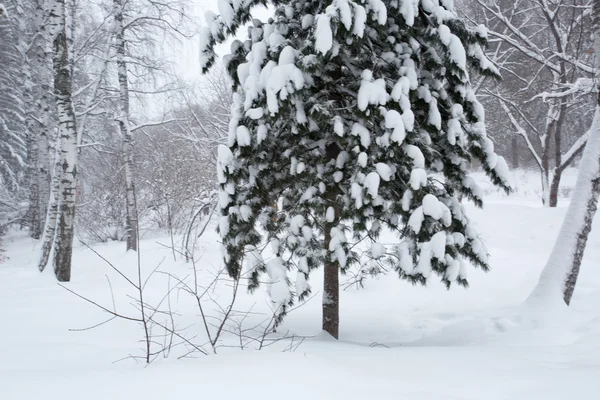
column 560, row 273
column 67, row 131
column 35, row 69
column 554, row 186
column 40, row 162
column 515, row 151
column 44, row 177
column 549, row 132
column 586, row 228
column 331, row 278
column 131, row 224
column 545, row 187
column 34, row 213
column 49, row 184
column 45, row 138
column 331, row 290
column 51, row 218
column 553, row 195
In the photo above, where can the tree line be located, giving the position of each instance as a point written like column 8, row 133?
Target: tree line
column 90, row 105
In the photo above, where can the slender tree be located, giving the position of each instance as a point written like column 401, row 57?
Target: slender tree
column 36, row 55
column 354, row 118
column 134, row 20
column 131, row 224
column 65, row 179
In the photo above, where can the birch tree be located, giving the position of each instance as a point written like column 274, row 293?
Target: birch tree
column 132, row 21
column 35, row 51
column 542, row 49
column 65, row 181
column 559, row 277
column 131, row 225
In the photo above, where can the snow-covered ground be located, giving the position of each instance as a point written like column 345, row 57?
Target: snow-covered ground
column 397, row 341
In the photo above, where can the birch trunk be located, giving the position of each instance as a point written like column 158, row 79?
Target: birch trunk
column 25, row 33
column 34, row 214
column 44, row 159
column 131, row 224
column 46, row 138
column 51, row 218
column 48, row 183
column 36, row 63
column 559, row 277
column 63, row 83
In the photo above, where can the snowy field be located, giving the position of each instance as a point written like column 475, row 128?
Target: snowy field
column 397, row 341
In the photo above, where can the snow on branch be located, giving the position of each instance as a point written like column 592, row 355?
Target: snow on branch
column 156, row 123
column 585, row 85
column 518, row 35
column 520, row 131
column 573, row 151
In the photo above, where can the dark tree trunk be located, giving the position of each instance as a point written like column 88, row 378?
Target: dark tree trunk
column 553, row 199
column 515, row 151
column 331, row 278
column 546, row 170
column 331, row 290
column 554, row 186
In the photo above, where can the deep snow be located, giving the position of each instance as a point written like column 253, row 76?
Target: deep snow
column 397, row 341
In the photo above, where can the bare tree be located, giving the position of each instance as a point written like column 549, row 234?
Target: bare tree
column 135, row 20
column 119, row 66
column 559, row 277
column 542, row 49
column 131, row 225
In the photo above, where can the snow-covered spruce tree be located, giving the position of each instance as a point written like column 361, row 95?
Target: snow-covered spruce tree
column 357, row 116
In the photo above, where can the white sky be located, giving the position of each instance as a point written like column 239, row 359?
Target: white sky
column 187, row 58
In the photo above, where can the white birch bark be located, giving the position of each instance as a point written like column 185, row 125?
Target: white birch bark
column 25, row 33
column 51, row 217
column 131, row 225
column 60, row 27
column 44, row 106
column 34, row 48
column 559, row 277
